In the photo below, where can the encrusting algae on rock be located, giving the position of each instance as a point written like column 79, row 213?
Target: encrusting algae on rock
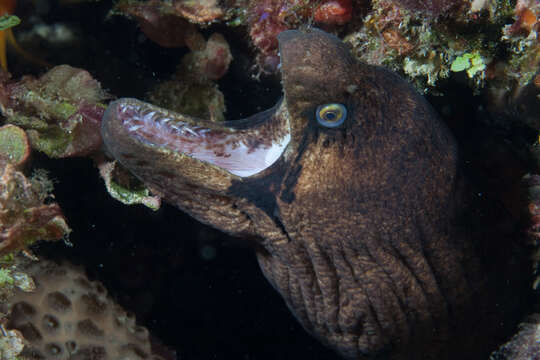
column 61, row 110
column 14, row 145
column 430, row 40
column 25, row 213
column 24, row 217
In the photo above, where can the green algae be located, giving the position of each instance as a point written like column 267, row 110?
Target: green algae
column 131, row 196
column 51, row 139
column 6, row 278
column 14, row 146
column 473, row 63
column 9, row 21
column 52, row 142
column 125, row 188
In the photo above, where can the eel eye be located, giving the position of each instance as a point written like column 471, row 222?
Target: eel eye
column 331, row 115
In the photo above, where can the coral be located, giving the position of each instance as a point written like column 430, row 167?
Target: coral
column 11, row 345
column 266, row 19
column 11, row 280
column 192, row 90
column 526, row 18
column 416, row 38
column 170, row 24
column 431, row 8
column 158, row 21
column 265, row 23
column 333, row 12
column 209, row 62
column 163, row 25
column 67, row 316
column 203, row 100
column 513, row 81
column 14, row 145
column 61, row 111
column 24, row 215
column 201, row 12
column 525, row 345
column 523, row 38
column 430, row 40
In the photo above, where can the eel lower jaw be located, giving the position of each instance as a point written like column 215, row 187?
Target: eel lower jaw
column 242, row 148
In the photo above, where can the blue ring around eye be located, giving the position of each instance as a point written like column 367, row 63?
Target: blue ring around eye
column 338, row 112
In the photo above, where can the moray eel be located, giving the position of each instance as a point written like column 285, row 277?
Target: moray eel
column 349, row 191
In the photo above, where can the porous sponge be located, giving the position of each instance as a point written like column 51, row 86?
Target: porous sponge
column 70, row 317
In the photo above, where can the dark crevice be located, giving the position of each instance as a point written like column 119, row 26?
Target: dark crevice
column 282, row 227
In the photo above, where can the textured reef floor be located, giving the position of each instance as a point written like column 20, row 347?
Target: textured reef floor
column 198, row 291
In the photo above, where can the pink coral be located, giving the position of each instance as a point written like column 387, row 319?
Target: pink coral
column 333, row 12
column 216, row 57
column 266, row 20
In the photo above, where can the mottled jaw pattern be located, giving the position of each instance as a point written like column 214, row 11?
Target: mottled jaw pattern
column 242, row 147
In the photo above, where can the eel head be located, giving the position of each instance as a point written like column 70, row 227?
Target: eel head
column 347, row 189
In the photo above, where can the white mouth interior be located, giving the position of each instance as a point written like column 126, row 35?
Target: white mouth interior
column 238, row 159
column 242, row 152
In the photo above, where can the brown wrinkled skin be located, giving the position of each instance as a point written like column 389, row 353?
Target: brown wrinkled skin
column 360, row 228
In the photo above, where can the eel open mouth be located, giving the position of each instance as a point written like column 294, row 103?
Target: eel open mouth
column 242, row 147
